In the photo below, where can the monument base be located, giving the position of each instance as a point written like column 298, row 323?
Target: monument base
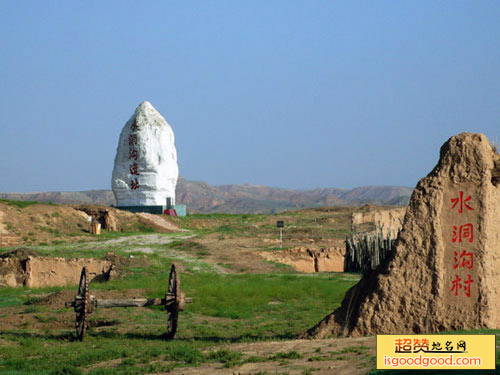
column 157, row 210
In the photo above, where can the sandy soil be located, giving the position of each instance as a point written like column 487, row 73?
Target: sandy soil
column 321, row 356
column 41, row 223
column 226, row 253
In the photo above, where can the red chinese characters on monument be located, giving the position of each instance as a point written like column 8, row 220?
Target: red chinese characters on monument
column 134, row 184
column 457, row 284
column 134, row 126
column 134, row 169
column 462, row 201
column 132, row 139
column 464, row 259
column 463, row 232
column 132, row 155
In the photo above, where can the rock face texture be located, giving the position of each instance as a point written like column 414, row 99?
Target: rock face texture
column 145, row 171
column 309, row 260
column 40, row 272
column 101, row 215
column 389, row 220
column 445, row 272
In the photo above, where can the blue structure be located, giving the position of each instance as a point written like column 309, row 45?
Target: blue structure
column 180, row 209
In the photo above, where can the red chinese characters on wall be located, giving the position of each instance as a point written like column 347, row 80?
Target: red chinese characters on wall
column 134, row 126
column 134, row 169
column 463, row 232
column 133, row 154
column 457, row 284
column 134, row 184
column 462, row 201
column 462, row 260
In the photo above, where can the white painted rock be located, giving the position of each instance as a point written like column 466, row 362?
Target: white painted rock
column 145, row 171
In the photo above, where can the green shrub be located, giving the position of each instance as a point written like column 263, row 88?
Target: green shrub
column 20, row 204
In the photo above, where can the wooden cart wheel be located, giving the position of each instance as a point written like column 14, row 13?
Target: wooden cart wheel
column 173, row 306
column 82, row 301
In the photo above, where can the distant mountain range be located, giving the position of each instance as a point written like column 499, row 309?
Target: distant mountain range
column 202, row 197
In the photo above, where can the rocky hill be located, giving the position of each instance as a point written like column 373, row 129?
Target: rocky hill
column 202, row 197
column 100, row 197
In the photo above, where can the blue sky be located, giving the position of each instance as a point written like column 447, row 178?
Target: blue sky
column 297, row 94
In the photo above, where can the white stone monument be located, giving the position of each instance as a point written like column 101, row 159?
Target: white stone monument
column 145, row 172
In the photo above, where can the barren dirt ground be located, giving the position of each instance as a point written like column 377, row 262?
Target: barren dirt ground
column 225, row 245
column 345, row 356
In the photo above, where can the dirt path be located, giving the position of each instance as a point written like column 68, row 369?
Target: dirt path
column 152, row 244
column 231, row 255
column 346, row 356
column 160, row 221
column 136, row 240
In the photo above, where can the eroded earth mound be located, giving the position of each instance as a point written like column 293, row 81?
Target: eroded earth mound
column 309, row 260
column 445, row 272
column 33, row 223
column 387, row 220
column 23, row 267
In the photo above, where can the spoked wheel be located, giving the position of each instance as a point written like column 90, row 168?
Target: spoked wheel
column 82, row 301
column 173, row 296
